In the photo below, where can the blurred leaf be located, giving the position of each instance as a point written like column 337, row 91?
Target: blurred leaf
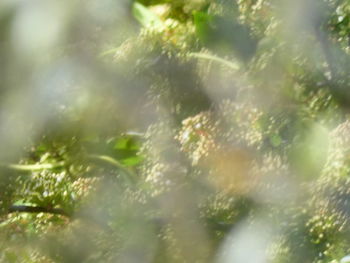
column 146, row 17
column 132, row 161
column 122, row 143
column 202, row 22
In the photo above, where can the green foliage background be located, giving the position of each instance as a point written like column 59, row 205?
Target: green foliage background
column 174, row 131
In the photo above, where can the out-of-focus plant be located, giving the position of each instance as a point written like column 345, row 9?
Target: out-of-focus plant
column 174, row 131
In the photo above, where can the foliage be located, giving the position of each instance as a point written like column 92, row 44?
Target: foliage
column 174, row 131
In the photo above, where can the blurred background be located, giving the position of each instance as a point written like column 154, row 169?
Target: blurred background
column 175, row 131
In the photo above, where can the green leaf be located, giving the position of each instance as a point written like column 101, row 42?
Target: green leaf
column 132, row 161
column 122, row 143
column 146, row 17
column 202, row 22
column 126, row 143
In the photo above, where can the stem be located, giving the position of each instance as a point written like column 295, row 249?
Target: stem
column 37, row 209
column 225, row 62
column 115, row 163
column 32, row 167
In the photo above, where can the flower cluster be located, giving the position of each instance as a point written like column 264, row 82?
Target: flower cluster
column 197, row 136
